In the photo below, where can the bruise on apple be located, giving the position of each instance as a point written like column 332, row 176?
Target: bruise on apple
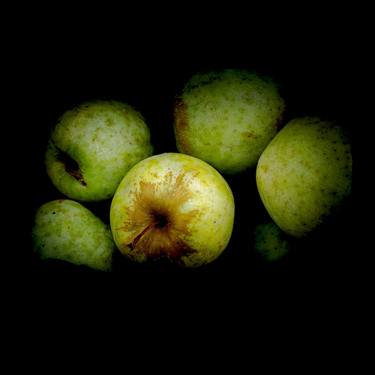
column 71, row 166
column 157, row 222
column 280, row 118
column 181, row 124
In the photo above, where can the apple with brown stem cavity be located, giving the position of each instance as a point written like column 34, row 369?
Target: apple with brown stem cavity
column 172, row 207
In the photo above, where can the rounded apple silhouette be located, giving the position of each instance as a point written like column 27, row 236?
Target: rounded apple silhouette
column 65, row 230
column 227, row 118
column 93, row 146
column 172, row 207
column 270, row 242
column 304, row 174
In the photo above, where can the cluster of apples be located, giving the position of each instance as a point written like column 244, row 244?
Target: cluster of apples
column 178, row 206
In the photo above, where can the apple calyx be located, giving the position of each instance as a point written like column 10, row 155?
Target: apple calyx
column 71, row 166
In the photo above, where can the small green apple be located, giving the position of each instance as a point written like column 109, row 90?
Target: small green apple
column 67, row 231
column 173, row 207
column 270, row 242
column 93, row 146
column 304, row 174
column 227, row 118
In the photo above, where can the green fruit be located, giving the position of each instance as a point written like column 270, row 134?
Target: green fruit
column 227, row 118
column 67, row 231
column 270, row 242
column 172, row 207
column 304, row 174
column 93, row 146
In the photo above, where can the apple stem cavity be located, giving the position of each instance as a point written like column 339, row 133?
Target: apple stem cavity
column 159, row 221
column 71, row 166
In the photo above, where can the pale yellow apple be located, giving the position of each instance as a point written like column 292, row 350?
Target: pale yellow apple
column 172, row 207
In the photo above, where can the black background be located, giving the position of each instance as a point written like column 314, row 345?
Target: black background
column 298, row 311
column 61, row 66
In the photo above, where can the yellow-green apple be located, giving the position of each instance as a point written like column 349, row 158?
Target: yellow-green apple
column 304, row 174
column 66, row 230
column 93, row 146
column 227, row 118
column 172, row 207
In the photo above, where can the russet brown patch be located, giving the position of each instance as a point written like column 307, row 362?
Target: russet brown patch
column 249, row 134
column 181, row 124
column 155, row 219
column 279, row 123
column 264, row 168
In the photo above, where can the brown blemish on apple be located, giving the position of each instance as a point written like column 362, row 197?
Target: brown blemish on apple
column 249, row 134
column 71, row 166
column 181, row 124
column 264, row 168
column 155, row 219
column 279, row 121
column 77, row 175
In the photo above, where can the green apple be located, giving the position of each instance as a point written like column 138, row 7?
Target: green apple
column 65, row 230
column 270, row 242
column 93, row 146
column 172, row 207
column 304, row 174
column 227, row 118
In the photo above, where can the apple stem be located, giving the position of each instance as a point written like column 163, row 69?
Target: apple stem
column 140, row 235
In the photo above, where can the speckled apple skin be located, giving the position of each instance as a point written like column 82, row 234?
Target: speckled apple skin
column 227, row 118
column 105, row 138
column 269, row 242
column 196, row 199
column 304, row 173
column 65, row 230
